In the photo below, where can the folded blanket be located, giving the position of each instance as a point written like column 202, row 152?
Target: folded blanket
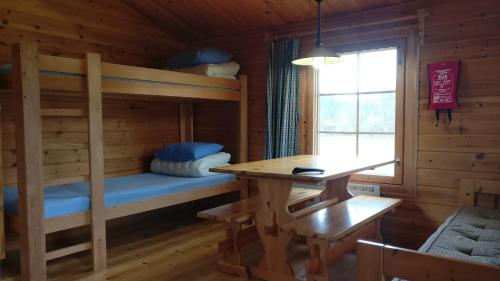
column 194, row 168
column 222, row 70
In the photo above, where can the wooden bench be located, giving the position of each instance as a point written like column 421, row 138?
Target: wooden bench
column 239, row 214
column 333, row 232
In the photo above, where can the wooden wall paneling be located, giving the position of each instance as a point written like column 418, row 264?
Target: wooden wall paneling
column 133, row 130
column 2, row 223
column 472, row 136
column 186, row 122
column 73, row 28
column 96, row 161
column 29, row 161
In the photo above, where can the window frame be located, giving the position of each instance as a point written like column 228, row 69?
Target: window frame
column 400, row 46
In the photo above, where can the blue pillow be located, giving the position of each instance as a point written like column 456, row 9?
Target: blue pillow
column 198, row 57
column 187, row 151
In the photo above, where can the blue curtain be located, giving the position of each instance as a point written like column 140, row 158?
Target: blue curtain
column 282, row 119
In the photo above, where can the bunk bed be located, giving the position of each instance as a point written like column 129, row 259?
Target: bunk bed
column 39, row 211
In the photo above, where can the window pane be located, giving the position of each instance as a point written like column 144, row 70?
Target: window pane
column 375, row 146
column 377, row 112
column 340, row 78
column 337, row 113
column 387, row 171
column 377, row 70
column 338, row 146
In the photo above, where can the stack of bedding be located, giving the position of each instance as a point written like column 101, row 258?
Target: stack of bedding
column 205, row 61
column 192, row 159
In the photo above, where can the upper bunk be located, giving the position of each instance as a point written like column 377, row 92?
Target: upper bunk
column 62, row 74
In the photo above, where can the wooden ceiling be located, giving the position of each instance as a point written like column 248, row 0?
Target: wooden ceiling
column 201, row 19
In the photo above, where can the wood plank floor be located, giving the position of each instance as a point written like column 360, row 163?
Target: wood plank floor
column 187, row 253
column 155, row 247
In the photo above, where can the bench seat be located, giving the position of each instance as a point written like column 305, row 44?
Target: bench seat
column 340, row 220
column 243, row 210
column 333, row 232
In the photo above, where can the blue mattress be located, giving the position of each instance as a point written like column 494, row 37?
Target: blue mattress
column 72, row 198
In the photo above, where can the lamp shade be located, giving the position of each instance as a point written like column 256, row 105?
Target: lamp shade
column 318, row 57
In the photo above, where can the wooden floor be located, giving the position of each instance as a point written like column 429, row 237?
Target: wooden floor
column 154, row 247
column 187, row 253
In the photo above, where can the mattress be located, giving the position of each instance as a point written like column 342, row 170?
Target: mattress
column 471, row 234
column 72, row 198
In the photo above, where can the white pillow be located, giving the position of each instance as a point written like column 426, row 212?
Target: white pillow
column 194, row 168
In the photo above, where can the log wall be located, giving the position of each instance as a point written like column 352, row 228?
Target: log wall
column 133, row 130
column 71, row 28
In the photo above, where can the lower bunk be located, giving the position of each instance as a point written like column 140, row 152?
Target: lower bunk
column 67, row 206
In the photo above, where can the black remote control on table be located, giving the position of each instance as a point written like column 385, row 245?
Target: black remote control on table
column 299, row 170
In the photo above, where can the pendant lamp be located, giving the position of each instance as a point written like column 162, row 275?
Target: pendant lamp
column 318, row 56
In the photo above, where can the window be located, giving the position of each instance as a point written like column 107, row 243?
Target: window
column 360, row 109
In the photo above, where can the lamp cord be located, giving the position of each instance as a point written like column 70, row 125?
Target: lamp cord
column 318, row 27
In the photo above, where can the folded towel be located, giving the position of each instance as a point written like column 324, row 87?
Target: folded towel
column 222, row 70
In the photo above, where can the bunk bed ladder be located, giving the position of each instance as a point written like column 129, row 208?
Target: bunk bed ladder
column 97, row 243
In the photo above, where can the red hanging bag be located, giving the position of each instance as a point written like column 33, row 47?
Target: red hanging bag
column 443, row 86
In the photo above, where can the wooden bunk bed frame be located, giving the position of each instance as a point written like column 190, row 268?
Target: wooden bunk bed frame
column 376, row 261
column 96, row 78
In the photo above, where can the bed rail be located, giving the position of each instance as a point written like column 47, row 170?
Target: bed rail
column 376, row 261
column 68, row 74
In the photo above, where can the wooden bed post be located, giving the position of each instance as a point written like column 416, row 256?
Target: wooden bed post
column 29, row 160
column 243, row 134
column 369, row 261
column 186, row 122
column 96, row 157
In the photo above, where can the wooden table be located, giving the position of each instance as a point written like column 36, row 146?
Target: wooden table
column 275, row 181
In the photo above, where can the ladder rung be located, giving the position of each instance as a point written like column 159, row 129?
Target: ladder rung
column 68, row 250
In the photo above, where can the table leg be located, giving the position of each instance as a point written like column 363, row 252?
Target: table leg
column 337, row 188
column 316, row 266
column 273, row 214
